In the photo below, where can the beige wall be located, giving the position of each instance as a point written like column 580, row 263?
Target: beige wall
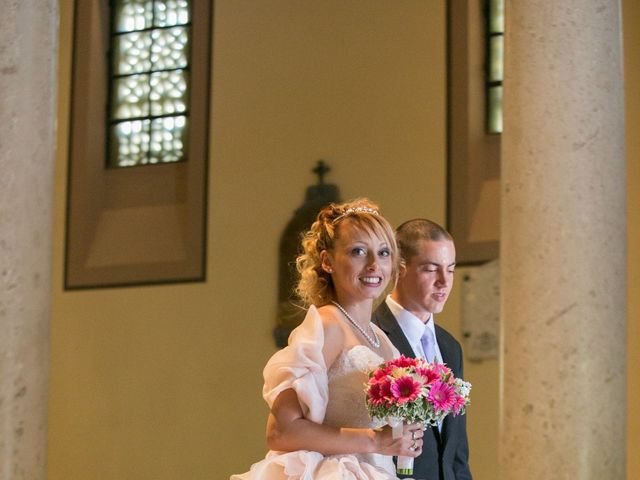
column 164, row 382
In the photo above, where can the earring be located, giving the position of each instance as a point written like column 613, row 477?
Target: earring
column 328, row 269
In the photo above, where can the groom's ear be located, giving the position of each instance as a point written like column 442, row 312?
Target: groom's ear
column 402, row 268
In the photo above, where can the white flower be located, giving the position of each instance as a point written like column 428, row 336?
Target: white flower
column 463, row 388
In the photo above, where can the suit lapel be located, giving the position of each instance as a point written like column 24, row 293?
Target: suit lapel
column 448, row 356
column 389, row 325
column 444, row 347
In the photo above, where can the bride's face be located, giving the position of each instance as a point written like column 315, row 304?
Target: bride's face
column 360, row 264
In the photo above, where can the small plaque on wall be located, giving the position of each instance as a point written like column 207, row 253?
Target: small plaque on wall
column 480, row 311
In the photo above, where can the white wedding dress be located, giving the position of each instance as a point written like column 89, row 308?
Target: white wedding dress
column 332, row 398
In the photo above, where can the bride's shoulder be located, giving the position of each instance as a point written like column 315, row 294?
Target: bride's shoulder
column 334, row 334
column 331, row 321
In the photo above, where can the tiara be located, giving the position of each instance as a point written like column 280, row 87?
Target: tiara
column 351, row 210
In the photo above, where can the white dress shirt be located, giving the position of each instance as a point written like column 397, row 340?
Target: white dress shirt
column 413, row 328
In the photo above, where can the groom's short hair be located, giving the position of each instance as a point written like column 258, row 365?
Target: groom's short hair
column 412, row 231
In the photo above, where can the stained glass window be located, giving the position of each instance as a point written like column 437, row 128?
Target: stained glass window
column 149, row 92
column 495, row 63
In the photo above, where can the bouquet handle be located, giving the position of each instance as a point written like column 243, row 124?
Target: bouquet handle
column 404, row 464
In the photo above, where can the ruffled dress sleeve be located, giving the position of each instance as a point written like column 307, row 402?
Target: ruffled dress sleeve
column 301, row 367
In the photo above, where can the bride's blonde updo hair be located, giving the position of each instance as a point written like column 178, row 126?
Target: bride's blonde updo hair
column 315, row 286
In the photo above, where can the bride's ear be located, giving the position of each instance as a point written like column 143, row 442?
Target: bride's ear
column 326, row 261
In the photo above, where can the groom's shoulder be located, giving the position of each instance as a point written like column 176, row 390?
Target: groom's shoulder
column 383, row 317
column 382, row 314
column 443, row 334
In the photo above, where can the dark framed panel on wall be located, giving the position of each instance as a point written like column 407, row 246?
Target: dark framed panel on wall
column 473, row 190
column 143, row 224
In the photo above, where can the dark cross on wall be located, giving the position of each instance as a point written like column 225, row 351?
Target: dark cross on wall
column 321, row 169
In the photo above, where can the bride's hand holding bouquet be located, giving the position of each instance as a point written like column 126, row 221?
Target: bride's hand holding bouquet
column 411, row 390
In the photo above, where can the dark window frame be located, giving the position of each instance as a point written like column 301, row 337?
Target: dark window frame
column 114, row 214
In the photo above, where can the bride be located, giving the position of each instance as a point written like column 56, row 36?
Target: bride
column 318, row 426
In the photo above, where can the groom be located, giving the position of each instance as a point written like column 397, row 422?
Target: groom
column 428, row 259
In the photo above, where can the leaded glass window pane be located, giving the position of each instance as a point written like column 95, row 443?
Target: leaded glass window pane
column 168, row 138
column 495, row 109
column 131, row 97
column 169, row 48
column 495, row 64
column 496, row 16
column 149, row 100
column 175, row 12
column 168, row 93
column 131, row 15
column 130, row 142
column 132, row 53
column 496, row 58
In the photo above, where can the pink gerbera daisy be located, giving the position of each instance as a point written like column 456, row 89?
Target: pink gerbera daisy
column 458, row 404
column 375, row 394
column 379, row 392
column 441, row 369
column 430, row 375
column 385, row 389
column 381, row 372
column 405, row 389
column 403, row 362
column 442, row 396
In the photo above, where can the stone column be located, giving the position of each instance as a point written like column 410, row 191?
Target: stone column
column 28, row 52
column 563, row 258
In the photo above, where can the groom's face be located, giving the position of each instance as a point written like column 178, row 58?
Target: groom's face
column 426, row 280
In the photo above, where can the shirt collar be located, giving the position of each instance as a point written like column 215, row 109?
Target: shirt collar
column 411, row 326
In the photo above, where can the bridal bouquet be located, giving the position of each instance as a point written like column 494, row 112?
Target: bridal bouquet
column 411, row 390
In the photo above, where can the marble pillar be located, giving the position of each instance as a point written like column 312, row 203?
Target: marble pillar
column 28, row 51
column 563, row 253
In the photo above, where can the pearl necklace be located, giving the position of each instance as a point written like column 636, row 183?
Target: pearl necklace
column 374, row 341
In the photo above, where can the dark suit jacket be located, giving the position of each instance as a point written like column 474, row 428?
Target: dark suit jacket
column 445, row 454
